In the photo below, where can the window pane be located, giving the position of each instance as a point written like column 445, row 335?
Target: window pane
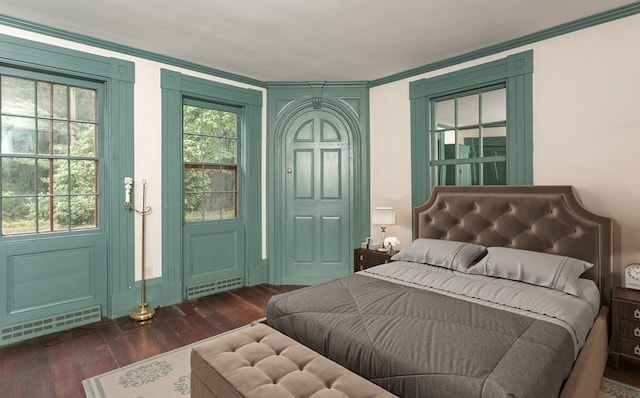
column 211, row 206
column 229, row 124
column 45, row 131
column 83, row 211
column 60, row 102
column 83, row 104
column 18, row 176
column 18, row 215
column 212, row 180
column 83, row 180
column 18, row 96
column 495, row 141
column 191, row 119
column 44, row 180
column 83, row 139
column 191, row 147
column 444, row 114
column 228, row 205
column 192, row 206
column 211, row 149
column 210, row 122
column 60, row 177
column 446, row 174
column 495, row 173
column 494, row 106
column 61, row 213
column 18, row 135
column 468, row 110
column 228, row 180
column 45, row 99
column 227, row 150
column 44, row 214
column 61, row 138
column 193, row 180
column 469, row 144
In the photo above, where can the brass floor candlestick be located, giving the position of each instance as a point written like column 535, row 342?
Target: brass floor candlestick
column 144, row 312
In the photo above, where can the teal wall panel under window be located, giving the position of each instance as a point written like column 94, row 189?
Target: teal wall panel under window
column 514, row 73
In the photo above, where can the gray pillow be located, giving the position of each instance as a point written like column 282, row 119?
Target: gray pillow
column 442, row 253
column 542, row 269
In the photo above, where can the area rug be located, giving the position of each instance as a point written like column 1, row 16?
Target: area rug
column 164, row 375
column 167, row 375
column 613, row 389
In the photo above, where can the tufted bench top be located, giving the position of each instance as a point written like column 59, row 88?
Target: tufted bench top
column 259, row 361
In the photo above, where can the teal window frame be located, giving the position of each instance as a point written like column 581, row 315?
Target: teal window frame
column 118, row 77
column 515, row 72
column 175, row 88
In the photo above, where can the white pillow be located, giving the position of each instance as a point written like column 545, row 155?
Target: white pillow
column 442, row 253
column 543, row 269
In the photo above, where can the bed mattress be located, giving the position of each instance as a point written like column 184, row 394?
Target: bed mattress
column 416, row 341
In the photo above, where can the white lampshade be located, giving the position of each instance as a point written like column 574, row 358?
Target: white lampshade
column 383, row 216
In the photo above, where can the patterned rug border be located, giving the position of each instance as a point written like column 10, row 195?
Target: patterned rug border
column 93, row 387
column 617, row 389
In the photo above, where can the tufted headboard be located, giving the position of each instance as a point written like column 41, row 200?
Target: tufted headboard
column 547, row 219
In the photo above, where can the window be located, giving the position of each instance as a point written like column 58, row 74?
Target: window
column 473, row 127
column 468, row 138
column 49, row 154
column 210, row 153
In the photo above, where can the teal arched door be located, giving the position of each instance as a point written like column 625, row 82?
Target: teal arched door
column 316, row 197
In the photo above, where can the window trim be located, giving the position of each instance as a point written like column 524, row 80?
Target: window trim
column 176, row 87
column 516, row 72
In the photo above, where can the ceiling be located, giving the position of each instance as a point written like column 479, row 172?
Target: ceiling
column 297, row 40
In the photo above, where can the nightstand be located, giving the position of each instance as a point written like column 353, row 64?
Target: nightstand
column 365, row 258
column 625, row 341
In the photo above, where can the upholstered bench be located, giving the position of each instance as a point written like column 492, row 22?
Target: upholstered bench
column 259, row 361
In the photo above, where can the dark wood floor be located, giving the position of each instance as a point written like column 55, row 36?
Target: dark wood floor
column 55, row 365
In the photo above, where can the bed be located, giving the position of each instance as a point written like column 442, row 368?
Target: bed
column 462, row 316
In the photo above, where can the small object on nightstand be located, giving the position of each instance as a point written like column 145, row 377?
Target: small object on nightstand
column 632, row 276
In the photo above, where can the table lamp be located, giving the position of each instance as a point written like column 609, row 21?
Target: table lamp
column 383, row 216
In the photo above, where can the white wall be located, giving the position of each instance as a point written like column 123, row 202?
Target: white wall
column 147, row 140
column 586, row 127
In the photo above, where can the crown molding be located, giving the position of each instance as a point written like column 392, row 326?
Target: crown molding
column 120, row 48
column 593, row 20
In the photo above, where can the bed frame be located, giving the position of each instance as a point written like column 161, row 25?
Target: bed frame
column 548, row 219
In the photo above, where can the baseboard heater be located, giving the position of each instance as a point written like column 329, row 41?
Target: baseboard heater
column 55, row 323
column 205, row 289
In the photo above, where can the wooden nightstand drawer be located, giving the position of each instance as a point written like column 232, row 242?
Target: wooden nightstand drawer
column 363, row 259
column 629, row 311
column 629, row 329
column 630, row 347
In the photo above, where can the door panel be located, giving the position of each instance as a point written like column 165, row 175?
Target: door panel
column 316, row 199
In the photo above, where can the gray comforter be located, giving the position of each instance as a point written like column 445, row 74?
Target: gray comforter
column 418, row 343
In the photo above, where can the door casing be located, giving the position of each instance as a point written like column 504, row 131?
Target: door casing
column 350, row 103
